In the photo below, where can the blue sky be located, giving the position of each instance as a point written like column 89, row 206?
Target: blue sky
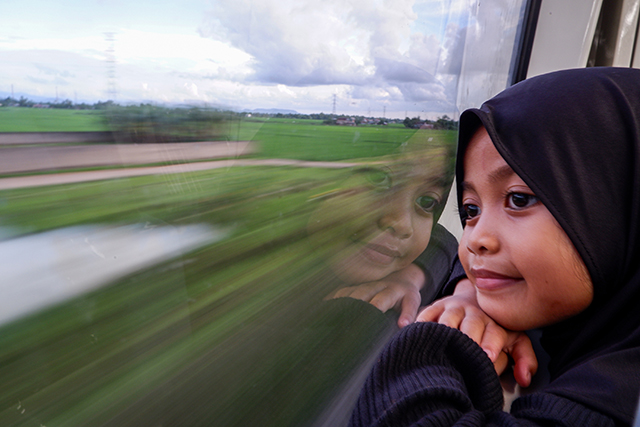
column 380, row 56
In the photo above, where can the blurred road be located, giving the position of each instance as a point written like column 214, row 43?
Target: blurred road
column 26, row 158
column 176, row 158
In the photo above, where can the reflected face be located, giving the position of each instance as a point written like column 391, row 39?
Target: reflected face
column 381, row 220
column 526, row 271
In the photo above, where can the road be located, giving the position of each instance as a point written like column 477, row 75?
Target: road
column 176, row 158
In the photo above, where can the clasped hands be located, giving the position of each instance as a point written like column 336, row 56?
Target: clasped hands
column 401, row 291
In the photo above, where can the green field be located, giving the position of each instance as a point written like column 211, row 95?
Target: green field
column 276, row 138
column 15, row 119
column 211, row 324
column 312, row 140
column 234, row 333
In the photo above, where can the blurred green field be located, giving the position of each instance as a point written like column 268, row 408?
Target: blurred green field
column 302, row 139
column 312, row 140
column 15, row 119
column 234, row 333
column 138, row 352
column 217, row 196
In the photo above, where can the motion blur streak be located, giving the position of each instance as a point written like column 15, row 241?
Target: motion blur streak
column 66, row 262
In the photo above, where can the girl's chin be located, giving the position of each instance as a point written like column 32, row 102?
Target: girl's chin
column 515, row 319
column 354, row 273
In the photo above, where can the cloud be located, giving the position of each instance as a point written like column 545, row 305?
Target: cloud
column 293, row 43
column 295, row 54
column 383, row 92
column 309, row 42
column 40, row 71
column 401, row 72
column 373, row 47
column 421, row 93
column 53, row 72
column 453, row 49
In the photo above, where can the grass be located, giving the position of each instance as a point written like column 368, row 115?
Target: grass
column 311, row 140
column 214, row 196
column 15, row 119
column 283, row 138
column 189, row 340
column 231, row 334
column 277, row 137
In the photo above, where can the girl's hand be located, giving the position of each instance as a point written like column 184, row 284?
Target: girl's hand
column 399, row 290
column 461, row 311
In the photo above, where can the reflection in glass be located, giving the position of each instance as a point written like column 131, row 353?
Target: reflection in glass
column 236, row 331
column 380, row 218
column 183, row 185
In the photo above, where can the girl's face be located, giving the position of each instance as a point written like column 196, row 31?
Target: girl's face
column 526, row 271
column 382, row 222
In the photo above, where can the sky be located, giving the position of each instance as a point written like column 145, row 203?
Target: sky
column 391, row 58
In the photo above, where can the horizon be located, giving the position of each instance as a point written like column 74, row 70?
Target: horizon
column 268, row 111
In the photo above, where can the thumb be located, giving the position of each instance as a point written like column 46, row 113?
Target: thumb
column 525, row 361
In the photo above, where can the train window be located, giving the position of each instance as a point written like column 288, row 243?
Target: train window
column 590, row 33
column 183, row 184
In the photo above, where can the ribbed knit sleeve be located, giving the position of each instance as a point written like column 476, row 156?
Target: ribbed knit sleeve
column 433, row 375
column 429, row 374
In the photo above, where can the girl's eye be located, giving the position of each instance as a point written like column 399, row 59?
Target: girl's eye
column 521, row 200
column 379, row 178
column 427, row 202
column 470, row 211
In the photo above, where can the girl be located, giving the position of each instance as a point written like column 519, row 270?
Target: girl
column 548, row 180
column 380, row 221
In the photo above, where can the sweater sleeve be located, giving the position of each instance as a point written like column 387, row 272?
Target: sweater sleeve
column 433, row 375
column 429, row 374
column 436, row 261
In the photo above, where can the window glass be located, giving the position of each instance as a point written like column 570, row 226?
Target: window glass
column 184, row 186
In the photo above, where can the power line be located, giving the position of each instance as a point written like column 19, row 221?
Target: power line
column 111, row 65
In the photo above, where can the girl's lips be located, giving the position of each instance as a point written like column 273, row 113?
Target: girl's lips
column 489, row 280
column 379, row 254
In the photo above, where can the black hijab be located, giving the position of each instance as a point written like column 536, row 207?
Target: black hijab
column 574, row 137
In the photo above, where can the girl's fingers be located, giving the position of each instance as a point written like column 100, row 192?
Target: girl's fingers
column 474, row 326
column 501, row 362
column 362, row 292
column 384, row 300
column 366, row 292
column 431, row 313
column 493, row 340
column 452, row 317
column 409, row 309
column 525, row 361
column 340, row 293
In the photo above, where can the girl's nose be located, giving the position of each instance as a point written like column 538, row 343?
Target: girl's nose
column 397, row 218
column 482, row 237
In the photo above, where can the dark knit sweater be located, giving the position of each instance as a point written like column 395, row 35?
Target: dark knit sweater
column 433, row 375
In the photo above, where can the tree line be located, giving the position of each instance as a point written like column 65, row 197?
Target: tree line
column 442, row 123
column 139, row 119
column 66, row 104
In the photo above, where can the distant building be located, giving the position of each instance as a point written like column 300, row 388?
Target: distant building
column 345, row 121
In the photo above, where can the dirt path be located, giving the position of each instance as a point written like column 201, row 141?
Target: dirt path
column 25, row 158
column 55, row 158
